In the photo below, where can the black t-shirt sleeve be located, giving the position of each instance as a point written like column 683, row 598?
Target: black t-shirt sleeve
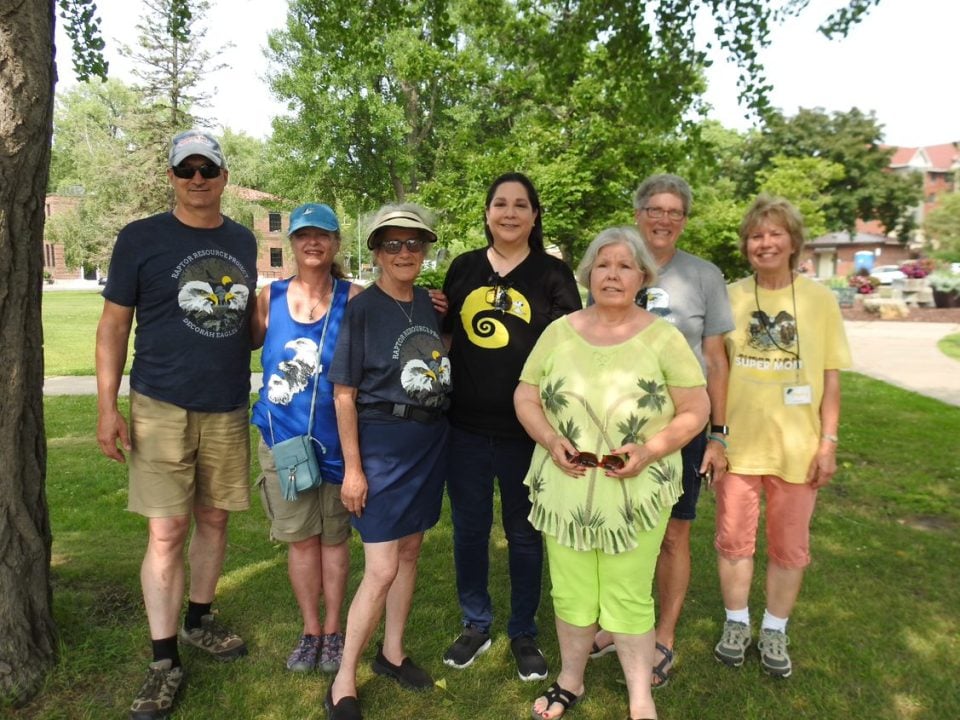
column 122, row 277
column 564, row 292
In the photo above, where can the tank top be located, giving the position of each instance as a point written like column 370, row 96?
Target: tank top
column 289, row 360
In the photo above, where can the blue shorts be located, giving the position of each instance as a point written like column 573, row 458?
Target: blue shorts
column 692, row 453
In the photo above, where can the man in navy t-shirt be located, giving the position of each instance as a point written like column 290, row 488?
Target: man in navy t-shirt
column 189, row 277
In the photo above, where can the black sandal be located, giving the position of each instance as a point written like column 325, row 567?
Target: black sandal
column 661, row 671
column 556, row 695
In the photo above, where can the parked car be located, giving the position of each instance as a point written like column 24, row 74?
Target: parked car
column 886, row 274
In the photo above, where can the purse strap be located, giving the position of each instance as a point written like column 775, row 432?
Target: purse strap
column 318, row 368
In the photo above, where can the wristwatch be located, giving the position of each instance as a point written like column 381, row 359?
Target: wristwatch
column 719, row 430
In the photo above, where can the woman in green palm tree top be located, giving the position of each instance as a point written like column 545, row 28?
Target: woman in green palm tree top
column 610, row 394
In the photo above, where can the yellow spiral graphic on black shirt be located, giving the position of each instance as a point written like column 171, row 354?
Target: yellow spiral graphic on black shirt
column 484, row 324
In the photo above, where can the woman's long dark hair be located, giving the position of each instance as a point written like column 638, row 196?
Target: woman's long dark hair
column 536, row 234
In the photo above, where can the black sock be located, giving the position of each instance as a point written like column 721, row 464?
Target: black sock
column 195, row 611
column 166, row 649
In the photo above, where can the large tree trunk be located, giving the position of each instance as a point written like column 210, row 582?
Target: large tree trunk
column 27, row 76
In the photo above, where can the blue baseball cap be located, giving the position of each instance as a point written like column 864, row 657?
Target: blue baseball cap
column 313, row 215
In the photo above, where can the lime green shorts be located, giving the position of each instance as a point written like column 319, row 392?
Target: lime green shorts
column 615, row 590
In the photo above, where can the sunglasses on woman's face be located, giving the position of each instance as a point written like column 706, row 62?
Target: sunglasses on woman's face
column 589, row 459
column 393, row 247
column 186, row 172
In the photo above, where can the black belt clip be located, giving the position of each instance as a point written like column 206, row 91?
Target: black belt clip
column 408, row 412
column 404, row 412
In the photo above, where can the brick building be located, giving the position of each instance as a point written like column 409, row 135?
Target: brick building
column 835, row 253
column 54, row 260
column 940, row 167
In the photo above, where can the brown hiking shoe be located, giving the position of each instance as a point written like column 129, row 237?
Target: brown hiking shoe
column 158, row 692
column 214, row 638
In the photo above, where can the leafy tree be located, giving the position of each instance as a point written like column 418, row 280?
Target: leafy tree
column 942, row 227
column 866, row 190
column 434, row 98
column 251, row 160
column 110, row 140
column 171, row 58
column 802, row 181
column 712, row 231
column 102, row 153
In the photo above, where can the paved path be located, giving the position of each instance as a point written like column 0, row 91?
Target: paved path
column 901, row 353
column 906, row 354
column 87, row 385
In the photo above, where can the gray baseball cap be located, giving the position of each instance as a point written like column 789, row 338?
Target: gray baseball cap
column 196, row 142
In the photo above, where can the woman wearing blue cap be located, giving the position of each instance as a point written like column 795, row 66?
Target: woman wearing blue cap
column 297, row 321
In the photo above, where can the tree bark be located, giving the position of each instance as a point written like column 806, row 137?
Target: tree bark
column 27, row 76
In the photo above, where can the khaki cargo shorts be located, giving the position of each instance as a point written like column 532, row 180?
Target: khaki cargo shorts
column 315, row 512
column 182, row 458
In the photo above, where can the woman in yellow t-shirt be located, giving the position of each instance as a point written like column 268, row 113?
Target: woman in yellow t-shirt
column 610, row 394
column 783, row 408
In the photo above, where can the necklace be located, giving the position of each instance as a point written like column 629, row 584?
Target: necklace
column 317, row 304
column 408, row 316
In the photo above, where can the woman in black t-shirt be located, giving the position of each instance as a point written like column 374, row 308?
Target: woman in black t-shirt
column 501, row 299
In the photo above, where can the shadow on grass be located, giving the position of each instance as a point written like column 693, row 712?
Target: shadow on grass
column 875, row 634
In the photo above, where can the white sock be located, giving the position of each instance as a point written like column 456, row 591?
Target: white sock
column 772, row 622
column 740, row 616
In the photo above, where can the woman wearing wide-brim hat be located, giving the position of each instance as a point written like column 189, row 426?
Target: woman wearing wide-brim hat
column 392, row 378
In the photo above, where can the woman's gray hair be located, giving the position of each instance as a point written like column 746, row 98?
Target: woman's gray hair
column 666, row 183
column 621, row 235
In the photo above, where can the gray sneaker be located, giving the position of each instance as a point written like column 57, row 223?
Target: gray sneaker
column 158, row 692
column 774, row 659
column 332, row 653
column 732, row 648
column 304, row 655
column 214, row 638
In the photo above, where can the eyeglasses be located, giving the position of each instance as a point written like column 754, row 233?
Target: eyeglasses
column 656, row 213
column 186, row 172
column 498, row 296
column 589, row 459
column 393, row 247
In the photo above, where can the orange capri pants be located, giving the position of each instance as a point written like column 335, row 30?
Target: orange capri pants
column 789, row 509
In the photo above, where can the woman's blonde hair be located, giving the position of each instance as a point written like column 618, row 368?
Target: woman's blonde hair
column 781, row 211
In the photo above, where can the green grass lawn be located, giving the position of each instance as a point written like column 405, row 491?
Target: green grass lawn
column 70, row 331
column 875, row 636
column 950, row 346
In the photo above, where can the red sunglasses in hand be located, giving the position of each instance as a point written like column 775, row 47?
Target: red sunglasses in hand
column 590, row 460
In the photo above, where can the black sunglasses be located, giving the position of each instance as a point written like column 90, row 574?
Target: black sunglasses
column 589, row 459
column 186, row 172
column 393, row 247
column 498, row 296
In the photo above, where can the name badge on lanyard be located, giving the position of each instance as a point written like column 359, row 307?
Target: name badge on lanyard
column 797, row 395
